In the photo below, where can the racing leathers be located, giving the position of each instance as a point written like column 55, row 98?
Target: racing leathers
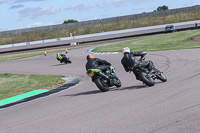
column 97, row 63
column 129, row 61
column 61, row 57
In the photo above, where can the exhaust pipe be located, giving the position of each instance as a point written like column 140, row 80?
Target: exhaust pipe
column 104, row 76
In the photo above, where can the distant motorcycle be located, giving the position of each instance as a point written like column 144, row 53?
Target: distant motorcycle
column 104, row 80
column 146, row 76
column 63, row 58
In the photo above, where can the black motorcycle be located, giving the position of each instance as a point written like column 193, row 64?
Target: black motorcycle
column 63, row 58
column 145, row 75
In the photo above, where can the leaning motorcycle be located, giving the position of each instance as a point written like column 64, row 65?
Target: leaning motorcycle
column 143, row 74
column 67, row 60
column 62, row 58
column 104, row 80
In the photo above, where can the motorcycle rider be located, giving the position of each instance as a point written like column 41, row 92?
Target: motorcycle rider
column 129, row 61
column 103, row 65
column 96, row 63
column 60, row 57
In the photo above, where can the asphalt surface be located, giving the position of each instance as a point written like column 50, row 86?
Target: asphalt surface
column 170, row 107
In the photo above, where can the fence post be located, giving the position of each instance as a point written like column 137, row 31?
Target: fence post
column 196, row 14
column 102, row 28
column 57, row 33
column 27, row 37
column 149, row 21
column 117, row 22
column 42, row 37
column 180, row 17
column 12, row 40
column 164, row 14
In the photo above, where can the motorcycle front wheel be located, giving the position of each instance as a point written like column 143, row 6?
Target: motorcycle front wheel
column 161, row 77
column 118, row 83
column 67, row 60
column 102, row 84
column 146, row 78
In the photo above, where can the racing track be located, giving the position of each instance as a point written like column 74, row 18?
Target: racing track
column 171, row 107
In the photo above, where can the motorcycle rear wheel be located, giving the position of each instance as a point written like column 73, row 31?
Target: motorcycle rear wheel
column 103, row 86
column 146, row 78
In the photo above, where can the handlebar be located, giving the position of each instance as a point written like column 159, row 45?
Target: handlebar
column 143, row 55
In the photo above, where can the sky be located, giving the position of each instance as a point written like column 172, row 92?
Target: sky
column 20, row 14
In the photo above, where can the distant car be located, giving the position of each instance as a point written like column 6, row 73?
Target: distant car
column 170, row 28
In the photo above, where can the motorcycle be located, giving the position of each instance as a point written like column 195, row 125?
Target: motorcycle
column 63, row 58
column 104, row 80
column 146, row 76
column 67, row 60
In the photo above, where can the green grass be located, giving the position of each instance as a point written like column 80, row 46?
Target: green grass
column 19, row 56
column 31, row 54
column 170, row 41
column 14, row 84
column 99, row 27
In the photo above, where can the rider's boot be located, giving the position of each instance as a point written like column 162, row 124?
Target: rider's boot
column 154, row 70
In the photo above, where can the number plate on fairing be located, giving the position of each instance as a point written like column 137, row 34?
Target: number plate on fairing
column 91, row 74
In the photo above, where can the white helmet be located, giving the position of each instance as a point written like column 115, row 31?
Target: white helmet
column 126, row 50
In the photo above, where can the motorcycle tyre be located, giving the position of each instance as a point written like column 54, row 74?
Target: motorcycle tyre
column 119, row 84
column 67, row 61
column 161, row 77
column 143, row 78
column 102, row 87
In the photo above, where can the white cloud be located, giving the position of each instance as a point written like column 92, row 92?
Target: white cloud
column 196, row 4
column 20, row 1
column 3, row 29
column 81, row 7
column 89, row 18
column 103, row 4
column 16, row 6
column 38, row 11
column 4, row 1
column 40, row 24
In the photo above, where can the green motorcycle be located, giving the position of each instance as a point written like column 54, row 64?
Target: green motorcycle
column 104, row 80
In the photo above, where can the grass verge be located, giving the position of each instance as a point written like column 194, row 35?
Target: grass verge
column 170, row 41
column 113, row 24
column 14, row 84
column 31, row 54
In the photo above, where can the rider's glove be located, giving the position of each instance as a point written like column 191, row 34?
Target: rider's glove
column 130, row 68
column 108, row 63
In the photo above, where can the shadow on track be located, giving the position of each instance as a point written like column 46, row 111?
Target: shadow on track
column 85, row 93
column 129, row 88
column 59, row 64
column 112, row 89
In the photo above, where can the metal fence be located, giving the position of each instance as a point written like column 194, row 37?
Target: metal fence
column 102, row 22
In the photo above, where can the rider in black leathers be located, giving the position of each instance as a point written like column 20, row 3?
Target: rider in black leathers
column 129, row 61
column 96, row 63
column 61, row 57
